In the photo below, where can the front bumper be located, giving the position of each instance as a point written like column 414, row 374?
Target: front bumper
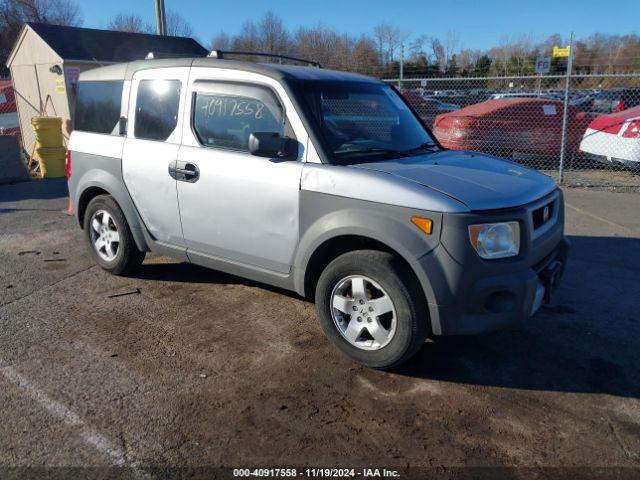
column 468, row 295
column 502, row 301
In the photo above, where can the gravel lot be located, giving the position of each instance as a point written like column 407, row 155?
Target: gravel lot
column 179, row 366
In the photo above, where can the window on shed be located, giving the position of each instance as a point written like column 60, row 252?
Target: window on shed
column 98, row 106
column 157, row 109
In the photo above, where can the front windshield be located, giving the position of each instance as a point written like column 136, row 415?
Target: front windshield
column 363, row 122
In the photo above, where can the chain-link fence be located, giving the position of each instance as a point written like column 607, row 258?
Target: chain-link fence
column 16, row 111
column 8, row 111
column 595, row 141
column 10, row 119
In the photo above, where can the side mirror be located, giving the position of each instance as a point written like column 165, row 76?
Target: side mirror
column 272, row 145
column 122, row 126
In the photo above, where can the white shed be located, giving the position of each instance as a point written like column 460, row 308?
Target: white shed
column 46, row 60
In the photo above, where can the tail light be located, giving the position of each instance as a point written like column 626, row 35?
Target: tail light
column 67, row 164
column 620, row 106
column 633, row 129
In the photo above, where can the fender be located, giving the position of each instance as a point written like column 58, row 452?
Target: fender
column 327, row 217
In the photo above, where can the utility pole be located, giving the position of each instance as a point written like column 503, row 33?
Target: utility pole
column 161, row 19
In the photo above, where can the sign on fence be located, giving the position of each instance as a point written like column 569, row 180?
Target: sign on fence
column 561, row 51
column 543, row 65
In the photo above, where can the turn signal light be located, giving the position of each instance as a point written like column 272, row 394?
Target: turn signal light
column 424, row 224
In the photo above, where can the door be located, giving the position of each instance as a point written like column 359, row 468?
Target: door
column 237, row 206
column 151, row 149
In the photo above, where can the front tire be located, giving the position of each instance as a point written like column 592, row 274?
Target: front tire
column 109, row 237
column 372, row 309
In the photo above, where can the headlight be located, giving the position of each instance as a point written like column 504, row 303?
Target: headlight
column 495, row 240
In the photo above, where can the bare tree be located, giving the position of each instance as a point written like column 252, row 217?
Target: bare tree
column 439, row 53
column 363, row 57
column 317, row 43
column 417, row 48
column 15, row 13
column 221, row 41
column 388, row 39
column 248, row 40
column 129, row 23
column 177, row 26
column 467, row 59
column 57, row 12
column 273, row 35
column 450, row 45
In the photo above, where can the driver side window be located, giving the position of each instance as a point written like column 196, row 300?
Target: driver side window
column 225, row 114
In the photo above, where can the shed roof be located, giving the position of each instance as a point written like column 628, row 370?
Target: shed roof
column 75, row 43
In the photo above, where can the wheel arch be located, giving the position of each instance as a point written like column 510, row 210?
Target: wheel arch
column 331, row 248
column 99, row 182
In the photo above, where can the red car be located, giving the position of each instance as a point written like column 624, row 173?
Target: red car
column 8, row 113
column 615, row 138
column 509, row 125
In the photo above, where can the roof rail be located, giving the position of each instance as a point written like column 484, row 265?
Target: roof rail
column 221, row 54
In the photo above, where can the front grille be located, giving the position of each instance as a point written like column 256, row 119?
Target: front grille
column 542, row 215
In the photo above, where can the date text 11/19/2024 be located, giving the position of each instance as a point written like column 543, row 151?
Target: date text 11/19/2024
column 316, row 472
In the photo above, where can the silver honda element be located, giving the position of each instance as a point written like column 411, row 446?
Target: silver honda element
column 317, row 181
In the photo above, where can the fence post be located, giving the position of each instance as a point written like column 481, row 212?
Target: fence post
column 401, row 66
column 565, row 112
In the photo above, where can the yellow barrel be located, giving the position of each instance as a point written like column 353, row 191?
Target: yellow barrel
column 52, row 161
column 48, row 131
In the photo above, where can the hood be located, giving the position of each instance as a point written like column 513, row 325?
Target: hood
column 479, row 181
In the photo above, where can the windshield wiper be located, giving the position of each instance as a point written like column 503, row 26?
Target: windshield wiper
column 372, row 150
column 424, row 146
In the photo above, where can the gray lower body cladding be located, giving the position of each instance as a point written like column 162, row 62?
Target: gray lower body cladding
column 472, row 295
column 465, row 294
column 475, row 301
column 101, row 172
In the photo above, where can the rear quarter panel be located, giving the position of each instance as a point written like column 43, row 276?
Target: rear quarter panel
column 97, row 162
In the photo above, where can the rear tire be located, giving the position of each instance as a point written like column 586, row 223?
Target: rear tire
column 109, row 237
column 390, row 320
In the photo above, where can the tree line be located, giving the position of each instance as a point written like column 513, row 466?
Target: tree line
column 377, row 53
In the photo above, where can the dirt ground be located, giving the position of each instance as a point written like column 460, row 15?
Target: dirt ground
column 178, row 366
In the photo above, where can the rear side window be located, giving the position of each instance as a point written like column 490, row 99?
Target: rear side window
column 226, row 114
column 157, row 106
column 98, row 106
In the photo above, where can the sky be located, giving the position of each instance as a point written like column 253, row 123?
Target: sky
column 479, row 24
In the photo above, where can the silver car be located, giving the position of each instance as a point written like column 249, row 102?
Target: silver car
column 321, row 182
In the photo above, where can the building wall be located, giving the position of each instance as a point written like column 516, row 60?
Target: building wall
column 31, row 77
column 38, row 89
column 32, row 50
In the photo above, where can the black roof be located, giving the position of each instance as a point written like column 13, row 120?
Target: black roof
column 280, row 72
column 74, row 43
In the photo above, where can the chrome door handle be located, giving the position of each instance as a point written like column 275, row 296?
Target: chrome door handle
column 184, row 171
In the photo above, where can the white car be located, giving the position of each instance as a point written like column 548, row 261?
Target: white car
column 615, row 138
